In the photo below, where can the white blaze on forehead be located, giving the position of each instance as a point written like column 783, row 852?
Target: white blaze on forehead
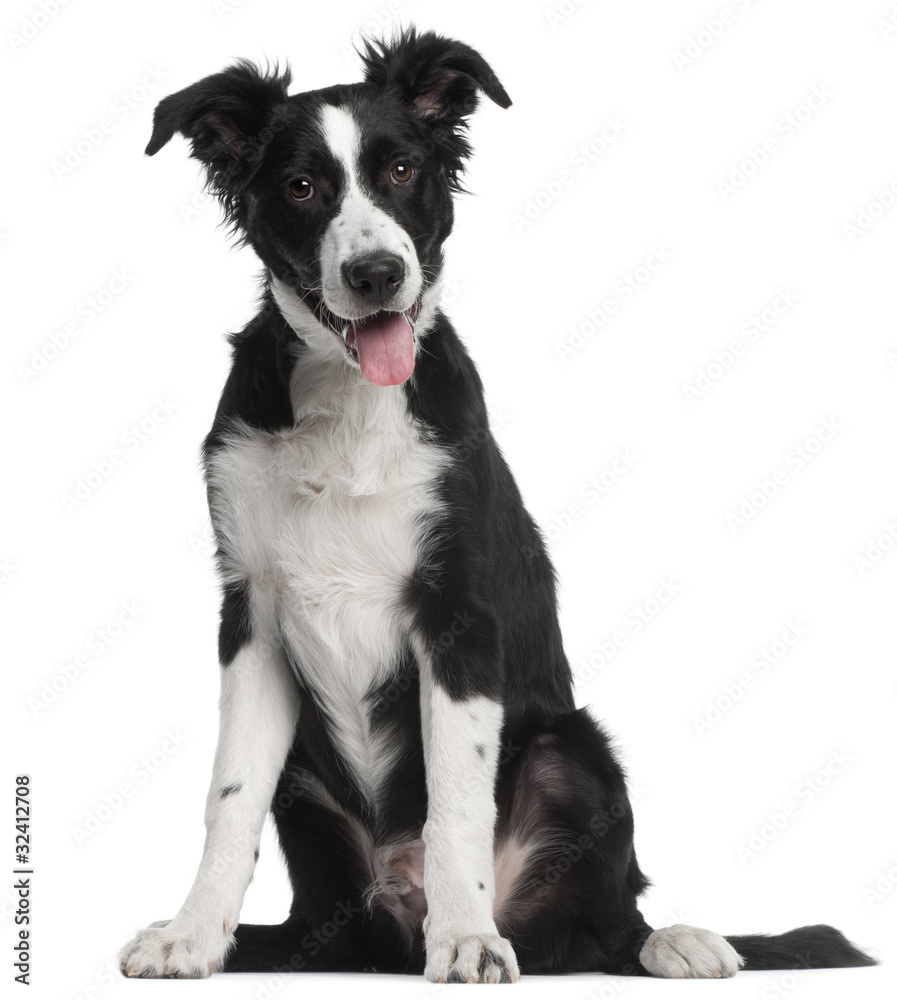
column 343, row 140
column 360, row 228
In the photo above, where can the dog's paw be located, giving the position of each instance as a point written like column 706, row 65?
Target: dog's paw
column 472, row 958
column 169, row 950
column 682, row 952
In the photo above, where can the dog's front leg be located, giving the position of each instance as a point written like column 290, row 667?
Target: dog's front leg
column 461, row 719
column 259, row 708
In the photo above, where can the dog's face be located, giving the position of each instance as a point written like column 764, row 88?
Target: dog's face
column 344, row 193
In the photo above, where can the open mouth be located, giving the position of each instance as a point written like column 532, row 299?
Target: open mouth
column 382, row 343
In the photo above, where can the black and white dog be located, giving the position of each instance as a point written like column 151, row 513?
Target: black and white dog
column 394, row 685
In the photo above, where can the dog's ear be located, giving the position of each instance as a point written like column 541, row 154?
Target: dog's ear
column 227, row 118
column 438, row 77
column 224, row 116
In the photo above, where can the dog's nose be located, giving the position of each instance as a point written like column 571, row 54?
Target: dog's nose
column 376, row 277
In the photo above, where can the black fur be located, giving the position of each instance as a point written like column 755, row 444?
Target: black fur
column 816, row 947
column 235, row 629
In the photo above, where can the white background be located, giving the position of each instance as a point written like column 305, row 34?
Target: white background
column 141, row 535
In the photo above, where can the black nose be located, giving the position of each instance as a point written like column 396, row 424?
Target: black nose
column 375, row 278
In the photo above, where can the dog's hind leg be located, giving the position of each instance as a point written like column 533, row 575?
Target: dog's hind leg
column 566, row 875
column 259, row 708
column 567, row 878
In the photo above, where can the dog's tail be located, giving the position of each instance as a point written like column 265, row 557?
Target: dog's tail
column 815, row 947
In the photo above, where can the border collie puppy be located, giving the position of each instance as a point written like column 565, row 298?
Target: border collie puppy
column 394, row 684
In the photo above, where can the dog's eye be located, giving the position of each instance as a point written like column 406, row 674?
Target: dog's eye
column 301, row 189
column 401, row 173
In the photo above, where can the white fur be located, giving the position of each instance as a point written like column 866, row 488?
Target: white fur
column 331, row 516
column 683, row 952
column 360, row 228
column 259, row 708
column 458, row 834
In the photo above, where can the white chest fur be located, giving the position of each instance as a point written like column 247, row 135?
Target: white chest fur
column 326, row 520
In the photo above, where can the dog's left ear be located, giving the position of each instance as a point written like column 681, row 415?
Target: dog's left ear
column 438, row 77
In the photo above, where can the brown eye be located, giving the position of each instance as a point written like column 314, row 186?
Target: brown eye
column 301, row 189
column 401, row 173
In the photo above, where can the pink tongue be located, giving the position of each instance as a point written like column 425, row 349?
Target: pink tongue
column 385, row 345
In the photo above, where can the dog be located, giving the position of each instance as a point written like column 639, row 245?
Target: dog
column 394, row 683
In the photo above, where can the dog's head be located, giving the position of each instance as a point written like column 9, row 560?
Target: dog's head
column 344, row 193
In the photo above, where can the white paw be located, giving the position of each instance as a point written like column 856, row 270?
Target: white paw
column 682, row 952
column 169, row 950
column 471, row 958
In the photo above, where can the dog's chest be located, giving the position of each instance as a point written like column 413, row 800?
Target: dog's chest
column 328, row 519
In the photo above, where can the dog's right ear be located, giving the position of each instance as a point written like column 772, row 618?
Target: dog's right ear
column 224, row 116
